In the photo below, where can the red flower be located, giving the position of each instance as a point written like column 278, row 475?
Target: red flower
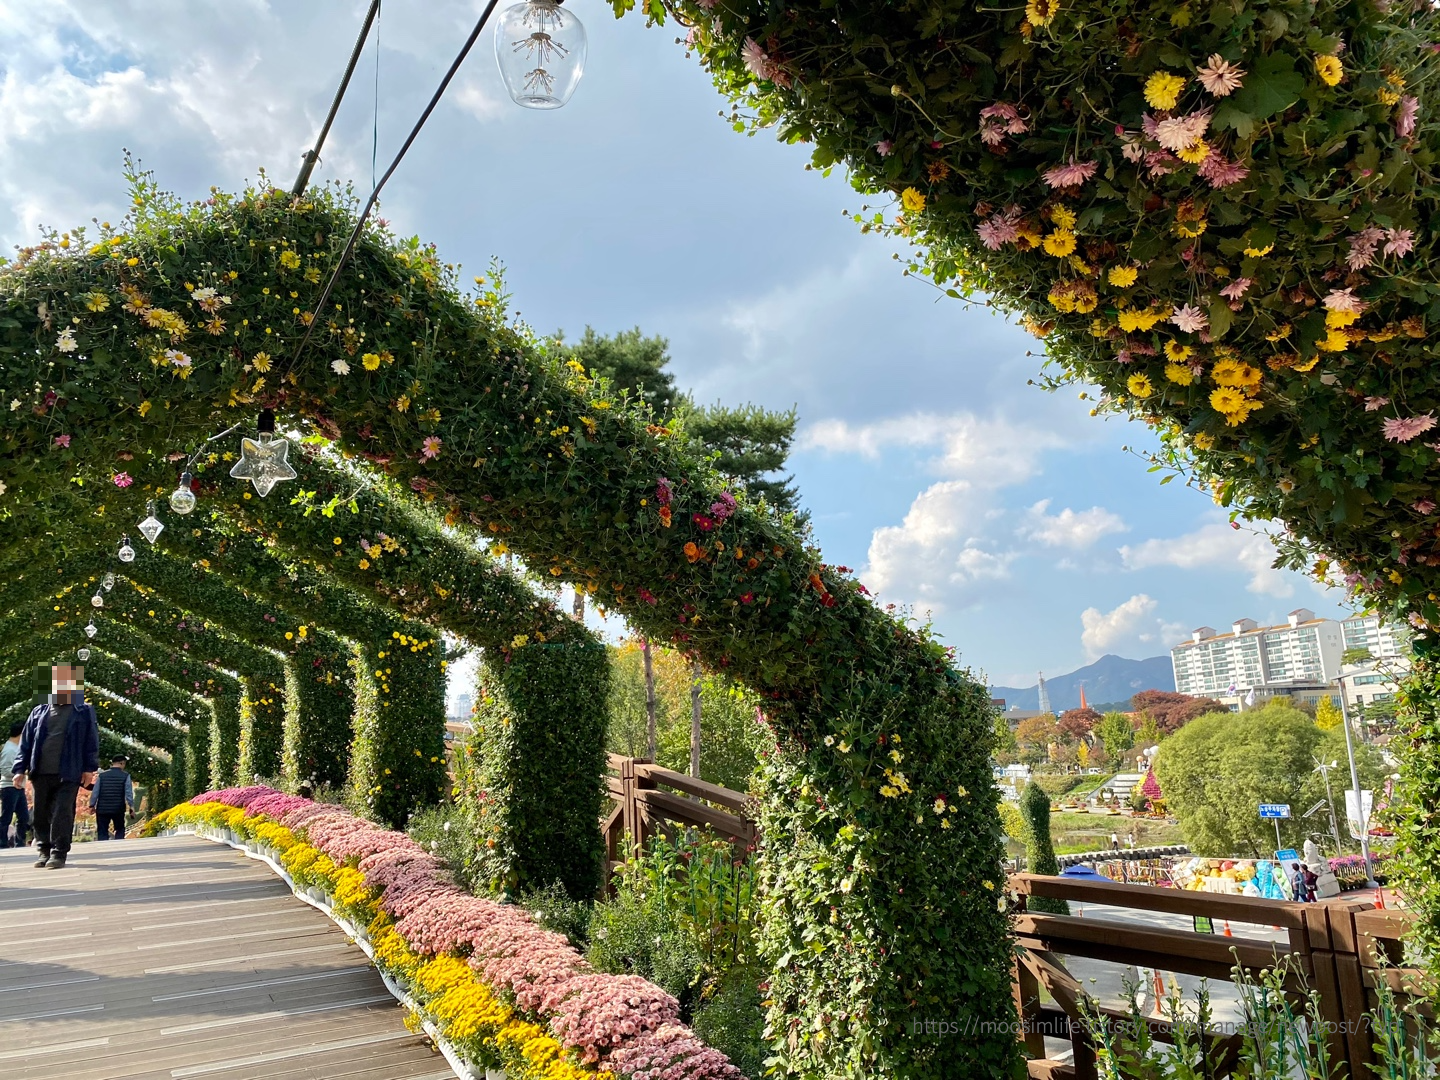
column 747, row 598
column 705, row 523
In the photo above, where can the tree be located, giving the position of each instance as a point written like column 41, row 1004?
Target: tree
column 1039, row 851
column 1116, row 734
column 1328, row 714
column 633, row 363
column 1076, row 723
column 1005, row 743
column 1082, row 754
column 750, row 445
column 1218, row 769
column 1172, row 711
column 1148, row 733
column 1034, row 736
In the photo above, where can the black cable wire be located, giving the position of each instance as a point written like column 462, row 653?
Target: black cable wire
column 313, row 156
column 375, row 194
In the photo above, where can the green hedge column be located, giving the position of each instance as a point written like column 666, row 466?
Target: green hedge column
column 397, row 763
column 224, row 742
column 319, row 703
column 262, row 725
column 1039, row 851
column 178, row 784
column 540, row 730
column 197, row 761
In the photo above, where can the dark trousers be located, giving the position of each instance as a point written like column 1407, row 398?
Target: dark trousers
column 103, row 821
column 13, row 805
column 54, row 813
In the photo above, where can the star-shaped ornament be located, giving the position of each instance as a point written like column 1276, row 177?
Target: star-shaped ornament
column 263, row 462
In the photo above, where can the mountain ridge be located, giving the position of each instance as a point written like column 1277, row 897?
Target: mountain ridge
column 1109, row 679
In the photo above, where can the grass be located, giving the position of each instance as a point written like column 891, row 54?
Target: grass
column 1074, row 833
column 1090, row 784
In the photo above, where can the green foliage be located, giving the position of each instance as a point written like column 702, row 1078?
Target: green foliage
column 750, row 445
column 731, row 1018
column 1116, row 735
column 179, row 786
column 635, row 934
column 1039, row 851
column 634, row 365
column 554, row 909
column 319, row 705
column 262, row 724
column 916, row 927
column 1216, row 770
column 448, row 832
column 536, row 790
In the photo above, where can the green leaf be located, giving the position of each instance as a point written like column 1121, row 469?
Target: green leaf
column 1229, row 116
column 1271, row 87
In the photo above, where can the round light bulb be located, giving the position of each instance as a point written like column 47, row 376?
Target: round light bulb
column 126, row 552
column 540, row 48
column 98, row 600
column 82, row 654
column 182, row 499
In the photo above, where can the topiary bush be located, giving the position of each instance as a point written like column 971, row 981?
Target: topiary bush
column 1039, row 851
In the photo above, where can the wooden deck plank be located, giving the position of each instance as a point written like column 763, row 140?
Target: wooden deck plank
column 177, row 958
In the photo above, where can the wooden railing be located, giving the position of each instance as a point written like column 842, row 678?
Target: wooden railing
column 646, row 800
column 1340, row 949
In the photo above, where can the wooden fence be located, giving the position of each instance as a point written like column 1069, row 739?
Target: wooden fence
column 646, row 800
column 1341, row 949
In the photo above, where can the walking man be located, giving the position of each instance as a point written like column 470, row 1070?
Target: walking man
column 112, row 795
column 60, row 752
column 13, row 804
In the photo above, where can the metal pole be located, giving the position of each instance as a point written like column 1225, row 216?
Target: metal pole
column 1277, row 837
column 312, row 156
column 1370, row 882
column 1324, row 770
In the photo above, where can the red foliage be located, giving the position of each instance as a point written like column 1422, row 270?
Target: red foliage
column 1172, row 711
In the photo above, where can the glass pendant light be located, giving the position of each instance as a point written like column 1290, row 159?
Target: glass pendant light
column 91, row 629
column 152, row 526
column 126, row 553
column 98, row 600
column 263, row 459
column 107, row 582
column 182, row 499
column 82, row 654
column 540, row 47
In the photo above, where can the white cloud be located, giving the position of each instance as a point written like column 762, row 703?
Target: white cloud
column 990, row 451
column 938, row 558
column 1106, row 630
column 1070, row 528
column 1215, row 546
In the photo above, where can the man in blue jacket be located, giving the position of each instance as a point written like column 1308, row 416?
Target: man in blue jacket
column 60, row 752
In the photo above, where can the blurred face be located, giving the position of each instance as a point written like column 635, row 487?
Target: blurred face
column 65, row 680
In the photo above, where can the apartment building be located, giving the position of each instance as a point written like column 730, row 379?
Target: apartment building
column 1300, row 658
column 1374, row 680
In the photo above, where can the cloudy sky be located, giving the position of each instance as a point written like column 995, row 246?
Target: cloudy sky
column 929, row 465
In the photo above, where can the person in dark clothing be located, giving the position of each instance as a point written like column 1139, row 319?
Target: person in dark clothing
column 111, row 796
column 13, row 804
column 60, row 753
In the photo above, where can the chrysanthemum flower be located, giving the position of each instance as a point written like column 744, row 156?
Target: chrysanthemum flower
column 1404, row 428
column 1405, row 114
column 1330, row 70
column 913, row 200
column 1162, row 89
column 1189, row 318
column 1219, row 76
column 1179, row 374
column 1122, row 277
column 1041, row 12
column 1071, row 175
column 1139, row 385
column 1060, row 243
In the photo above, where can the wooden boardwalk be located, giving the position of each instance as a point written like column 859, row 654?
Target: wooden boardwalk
column 177, row 957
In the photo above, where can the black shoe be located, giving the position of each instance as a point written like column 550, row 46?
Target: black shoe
column 43, row 861
column 55, row 862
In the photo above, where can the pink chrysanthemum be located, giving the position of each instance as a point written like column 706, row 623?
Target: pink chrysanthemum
column 1404, row 428
column 1221, row 171
column 430, row 448
column 1000, row 229
column 999, row 120
column 1236, row 289
column 1375, row 404
column 1160, row 162
column 123, row 479
column 1068, row 176
column 1182, row 132
column 1189, row 319
column 1363, row 246
column 885, row 147
column 1399, row 241
column 756, row 62
column 1219, row 76
column 62, row 440
column 1405, row 114
column 1423, row 506
column 1343, row 300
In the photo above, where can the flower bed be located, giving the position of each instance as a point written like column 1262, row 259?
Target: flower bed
column 502, row 992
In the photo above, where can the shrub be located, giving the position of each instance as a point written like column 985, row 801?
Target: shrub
column 1039, row 851
column 731, row 1019
column 554, row 909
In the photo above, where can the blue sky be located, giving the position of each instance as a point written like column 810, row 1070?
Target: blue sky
column 928, row 463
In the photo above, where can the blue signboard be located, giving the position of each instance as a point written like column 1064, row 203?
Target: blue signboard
column 1287, row 855
column 1274, row 810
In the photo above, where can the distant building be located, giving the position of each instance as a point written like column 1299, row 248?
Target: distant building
column 1371, row 681
column 1299, row 659
column 463, row 705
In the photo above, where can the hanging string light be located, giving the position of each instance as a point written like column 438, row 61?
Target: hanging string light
column 126, row 554
column 91, row 629
column 152, row 526
column 540, row 48
column 107, row 582
column 182, row 499
column 98, row 600
column 263, row 459
column 82, row 654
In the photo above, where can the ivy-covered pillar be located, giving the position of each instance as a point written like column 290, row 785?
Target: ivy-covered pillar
column 197, row 760
column 319, row 704
column 224, row 743
column 397, row 762
column 179, row 782
column 262, row 725
column 540, row 733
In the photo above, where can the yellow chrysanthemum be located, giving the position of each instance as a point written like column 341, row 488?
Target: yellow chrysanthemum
column 1191, row 229
column 1335, row 320
column 1085, row 301
column 1330, row 70
column 1195, row 153
column 1177, row 352
column 371, row 361
column 1179, row 374
column 1139, row 385
column 1282, row 331
column 1203, row 441
column 1162, row 89
column 1060, row 243
column 912, row 200
column 1236, row 373
column 1140, row 319
column 1259, row 253
column 1334, row 341
column 1122, row 277
column 1041, row 12
column 1062, row 216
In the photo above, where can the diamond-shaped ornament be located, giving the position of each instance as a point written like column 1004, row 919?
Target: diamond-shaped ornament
column 152, row 526
column 263, row 462
column 91, row 629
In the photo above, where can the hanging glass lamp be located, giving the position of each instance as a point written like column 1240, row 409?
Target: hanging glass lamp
column 540, row 47
column 152, row 526
column 126, row 552
column 182, row 499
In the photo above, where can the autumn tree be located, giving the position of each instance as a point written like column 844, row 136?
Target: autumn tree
column 1077, row 723
column 1172, row 711
column 1034, row 736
